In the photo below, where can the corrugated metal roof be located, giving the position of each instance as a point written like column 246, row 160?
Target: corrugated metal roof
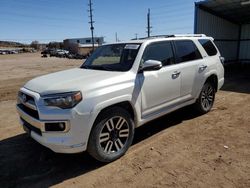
column 237, row 11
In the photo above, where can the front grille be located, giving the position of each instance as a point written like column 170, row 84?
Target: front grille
column 31, row 128
column 27, row 110
column 24, row 97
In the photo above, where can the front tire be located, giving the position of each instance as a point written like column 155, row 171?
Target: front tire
column 111, row 135
column 206, row 98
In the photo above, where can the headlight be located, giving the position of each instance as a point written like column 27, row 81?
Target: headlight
column 63, row 100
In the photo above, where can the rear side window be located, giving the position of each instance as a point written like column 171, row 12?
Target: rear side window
column 186, row 50
column 208, row 46
column 160, row 51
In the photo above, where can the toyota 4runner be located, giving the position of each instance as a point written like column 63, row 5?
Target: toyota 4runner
column 121, row 86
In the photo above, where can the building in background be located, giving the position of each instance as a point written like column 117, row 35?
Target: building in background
column 228, row 22
column 82, row 46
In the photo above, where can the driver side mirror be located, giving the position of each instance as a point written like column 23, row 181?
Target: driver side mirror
column 151, row 65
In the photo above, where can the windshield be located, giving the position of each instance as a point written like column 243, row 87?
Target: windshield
column 113, row 57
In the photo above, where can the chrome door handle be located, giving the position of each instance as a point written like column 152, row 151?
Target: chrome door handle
column 176, row 74
column 202, row 68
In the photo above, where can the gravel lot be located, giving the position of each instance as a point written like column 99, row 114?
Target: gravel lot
column 181, row 149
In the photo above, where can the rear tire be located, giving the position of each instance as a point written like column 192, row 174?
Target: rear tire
column 206, row 98
column 111, row 135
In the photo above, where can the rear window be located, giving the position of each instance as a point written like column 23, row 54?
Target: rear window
column 208, row 46
column 186, row 50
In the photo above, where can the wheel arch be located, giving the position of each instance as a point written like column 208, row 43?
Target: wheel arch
column 124, row 104
column 213, row 79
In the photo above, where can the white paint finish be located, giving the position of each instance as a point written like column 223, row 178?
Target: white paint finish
column 151, row 94
column 159, row 87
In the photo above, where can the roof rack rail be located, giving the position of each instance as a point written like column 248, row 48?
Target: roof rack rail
column 176, row 35
column 190, row 35
column 157, row 36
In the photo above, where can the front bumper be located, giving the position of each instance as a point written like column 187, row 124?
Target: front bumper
column 39, row 124
column 59, row 142
column 72, row 140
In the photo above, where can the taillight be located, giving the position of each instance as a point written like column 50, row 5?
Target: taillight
column 222, row 60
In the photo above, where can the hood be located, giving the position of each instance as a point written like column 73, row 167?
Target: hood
column 71, row 80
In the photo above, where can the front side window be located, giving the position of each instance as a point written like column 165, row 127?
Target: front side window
column 113, row 57
column 186, row 50
column 208, row 46
column 160, row 51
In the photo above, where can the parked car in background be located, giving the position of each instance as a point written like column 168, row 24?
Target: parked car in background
column 61, row 53
column 45, row 51
column 13, row 52
column 53, row 52
column 76, row 56
column 2, row 52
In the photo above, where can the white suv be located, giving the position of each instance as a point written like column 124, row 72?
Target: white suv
column 120, row 87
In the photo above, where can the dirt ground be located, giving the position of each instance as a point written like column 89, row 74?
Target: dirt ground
column 181, row 149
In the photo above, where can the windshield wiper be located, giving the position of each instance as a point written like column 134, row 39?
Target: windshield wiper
column 97, row 67
column 85, row 66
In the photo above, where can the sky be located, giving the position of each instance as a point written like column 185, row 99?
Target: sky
column 55, row 20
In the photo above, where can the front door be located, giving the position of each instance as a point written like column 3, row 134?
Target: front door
column 160, row 88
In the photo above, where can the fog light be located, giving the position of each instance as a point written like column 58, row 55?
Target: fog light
column 60, row 126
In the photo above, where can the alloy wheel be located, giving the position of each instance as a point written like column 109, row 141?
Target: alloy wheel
column 114, row 135
column 207, row 97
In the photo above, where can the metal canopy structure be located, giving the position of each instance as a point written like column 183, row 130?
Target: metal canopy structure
column 236, row 11
column 228, row 22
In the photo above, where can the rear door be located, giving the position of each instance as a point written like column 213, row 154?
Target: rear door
column 189, row 60
column 212, row 59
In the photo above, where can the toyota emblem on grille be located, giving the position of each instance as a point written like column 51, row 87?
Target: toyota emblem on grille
column 24, row 98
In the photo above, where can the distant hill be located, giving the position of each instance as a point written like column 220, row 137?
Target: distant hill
column 11, row 44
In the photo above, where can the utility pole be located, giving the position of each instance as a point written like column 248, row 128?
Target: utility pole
column 116, row 38
column 136, row 36
column 91, row 24
column 148, row 23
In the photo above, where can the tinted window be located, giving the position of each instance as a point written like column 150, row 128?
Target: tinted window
column 186, row 50
column 113, row 57
column 160, row 51
column 208, row 46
